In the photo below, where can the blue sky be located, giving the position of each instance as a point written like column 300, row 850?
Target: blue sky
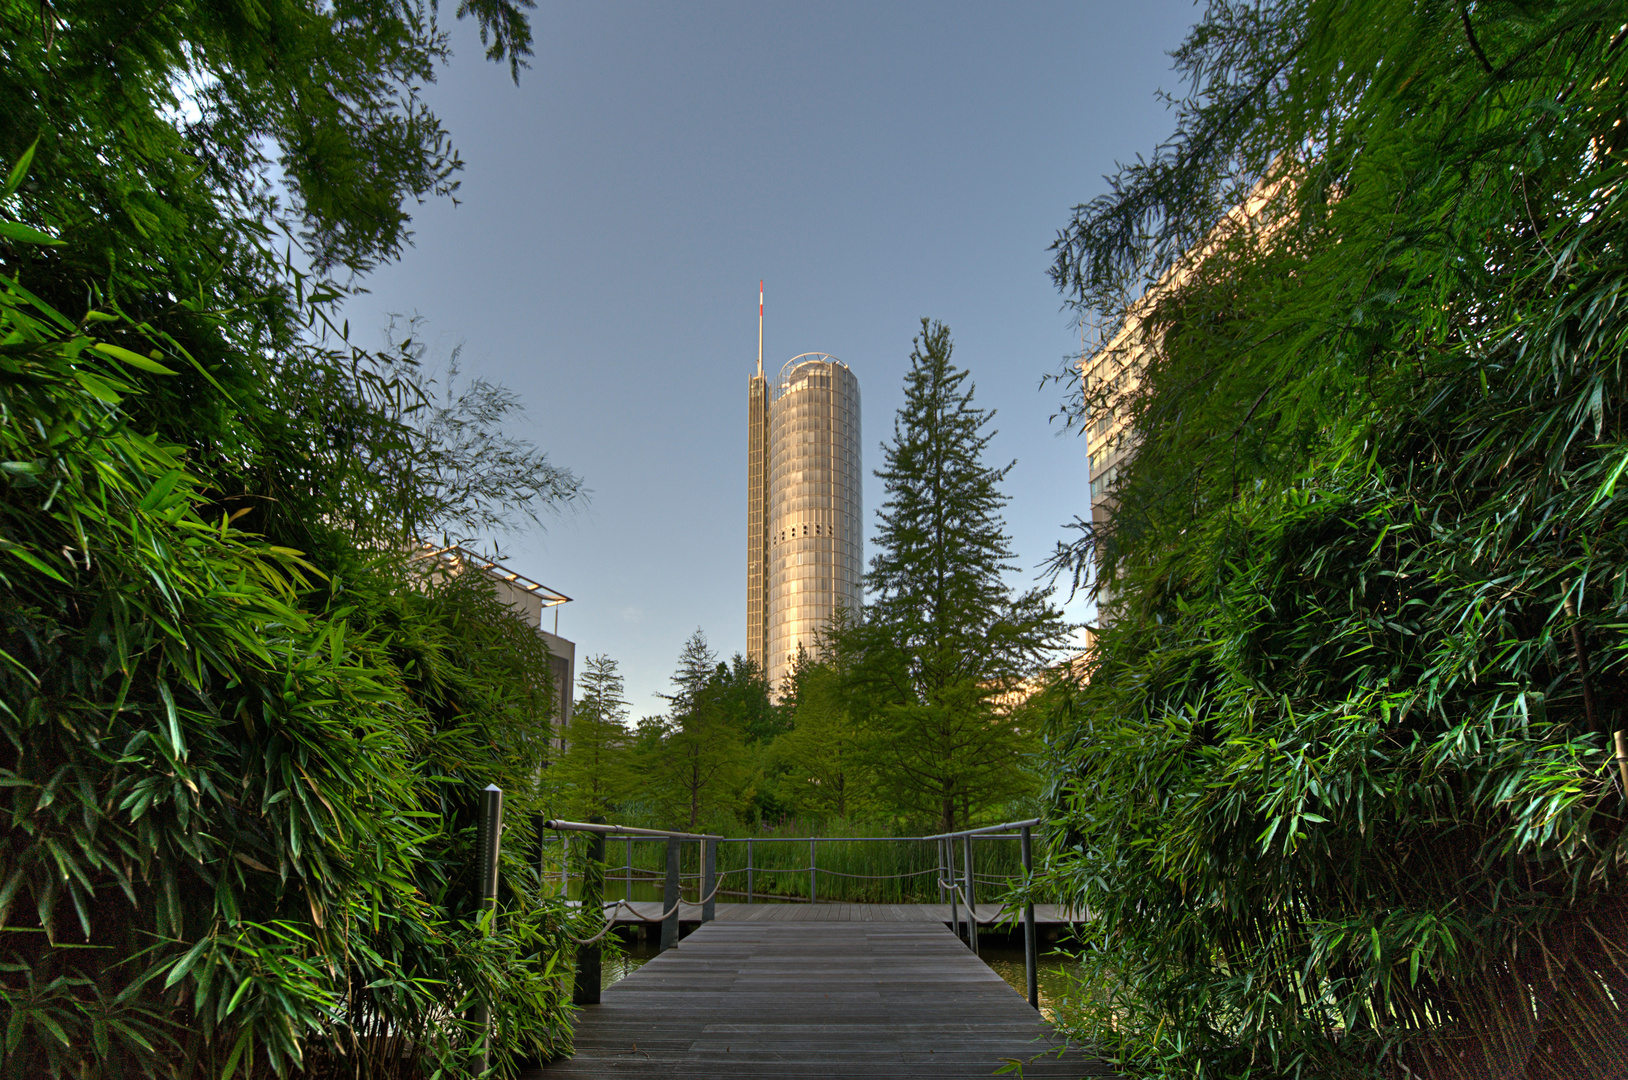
column 873, row 163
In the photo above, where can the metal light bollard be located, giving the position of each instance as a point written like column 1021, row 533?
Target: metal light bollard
column 489, row 848
column 585, row 987
column 1031, row 960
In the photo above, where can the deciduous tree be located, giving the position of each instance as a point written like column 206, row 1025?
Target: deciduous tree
column 701, row 762
column 827, row 755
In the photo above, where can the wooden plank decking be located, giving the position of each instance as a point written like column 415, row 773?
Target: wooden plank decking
column 895, row 913
column 852, row 1000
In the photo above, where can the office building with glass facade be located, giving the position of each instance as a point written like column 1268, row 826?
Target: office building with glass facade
column 805, row 541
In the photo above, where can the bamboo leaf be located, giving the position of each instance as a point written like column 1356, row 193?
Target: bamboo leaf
column 12, row 230
column 182, row 966
column 19, row 171
column 134, row 359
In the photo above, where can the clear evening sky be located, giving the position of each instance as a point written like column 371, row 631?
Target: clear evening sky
column 873, row 163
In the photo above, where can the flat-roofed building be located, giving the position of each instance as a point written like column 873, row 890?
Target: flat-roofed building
column 531, row 600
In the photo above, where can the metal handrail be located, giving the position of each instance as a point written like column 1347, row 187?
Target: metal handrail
column 987, row 829
column 852, row 839
column 655, row 834
column 963, row 891
column 588, row 952
column 623, row 830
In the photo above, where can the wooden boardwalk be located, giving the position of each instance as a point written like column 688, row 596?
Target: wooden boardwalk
column 853, row 1000
column 648, row 910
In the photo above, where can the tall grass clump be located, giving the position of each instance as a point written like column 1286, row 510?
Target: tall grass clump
column 868, row 865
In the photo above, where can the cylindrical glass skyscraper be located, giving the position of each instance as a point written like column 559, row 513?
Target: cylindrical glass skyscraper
column 811, row 549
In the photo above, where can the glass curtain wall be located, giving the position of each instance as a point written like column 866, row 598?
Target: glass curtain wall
column 815, row 514
column 757, row 526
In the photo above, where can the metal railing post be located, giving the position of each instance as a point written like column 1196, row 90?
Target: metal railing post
column 811, row 860
column 1031, row 960
column 949, row 859
column 490, row 841
column 748, row 870
column 670, row 898
column 972, row 896
column 585, row 987
column 539, row 828
column 941, row 871
column 709, row 878
column 630, row 869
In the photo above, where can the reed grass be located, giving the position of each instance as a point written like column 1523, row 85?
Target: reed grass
column 856, row 869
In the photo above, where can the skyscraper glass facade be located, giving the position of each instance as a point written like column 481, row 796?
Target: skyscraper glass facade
column 813, row 540
column 757, row 528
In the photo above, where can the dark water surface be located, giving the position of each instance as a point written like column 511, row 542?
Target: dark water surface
column 1053, row 975
column 634, row 953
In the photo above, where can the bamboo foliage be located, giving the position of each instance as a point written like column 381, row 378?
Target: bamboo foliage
column 1340, row 791
column 236, row 845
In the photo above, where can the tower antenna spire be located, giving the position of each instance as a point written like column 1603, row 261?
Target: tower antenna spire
column 760, row 329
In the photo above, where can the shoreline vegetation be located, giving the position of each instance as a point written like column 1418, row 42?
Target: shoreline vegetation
column 850, row 868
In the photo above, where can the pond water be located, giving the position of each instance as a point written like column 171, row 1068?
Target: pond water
column 1004, row 955
column 634, row 953
column 1006, row 958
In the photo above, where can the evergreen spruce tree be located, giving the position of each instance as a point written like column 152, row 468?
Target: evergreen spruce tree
column 944, row 635
column 593, row 773
column 700, row 764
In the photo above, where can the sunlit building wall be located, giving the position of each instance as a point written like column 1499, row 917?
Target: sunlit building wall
column 1112, row 376
column 812, row 542
column 757, row 527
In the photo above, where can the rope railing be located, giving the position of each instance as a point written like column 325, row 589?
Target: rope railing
column 619, row 906
column 866, row 879
column 643, row 876
column 972, row 912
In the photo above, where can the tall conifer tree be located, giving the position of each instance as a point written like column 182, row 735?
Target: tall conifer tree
column 944, row 634
column 593, row 771
column 699, row 765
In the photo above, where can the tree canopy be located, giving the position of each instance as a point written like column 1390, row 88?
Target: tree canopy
column 241, row 727
column 593, row 775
